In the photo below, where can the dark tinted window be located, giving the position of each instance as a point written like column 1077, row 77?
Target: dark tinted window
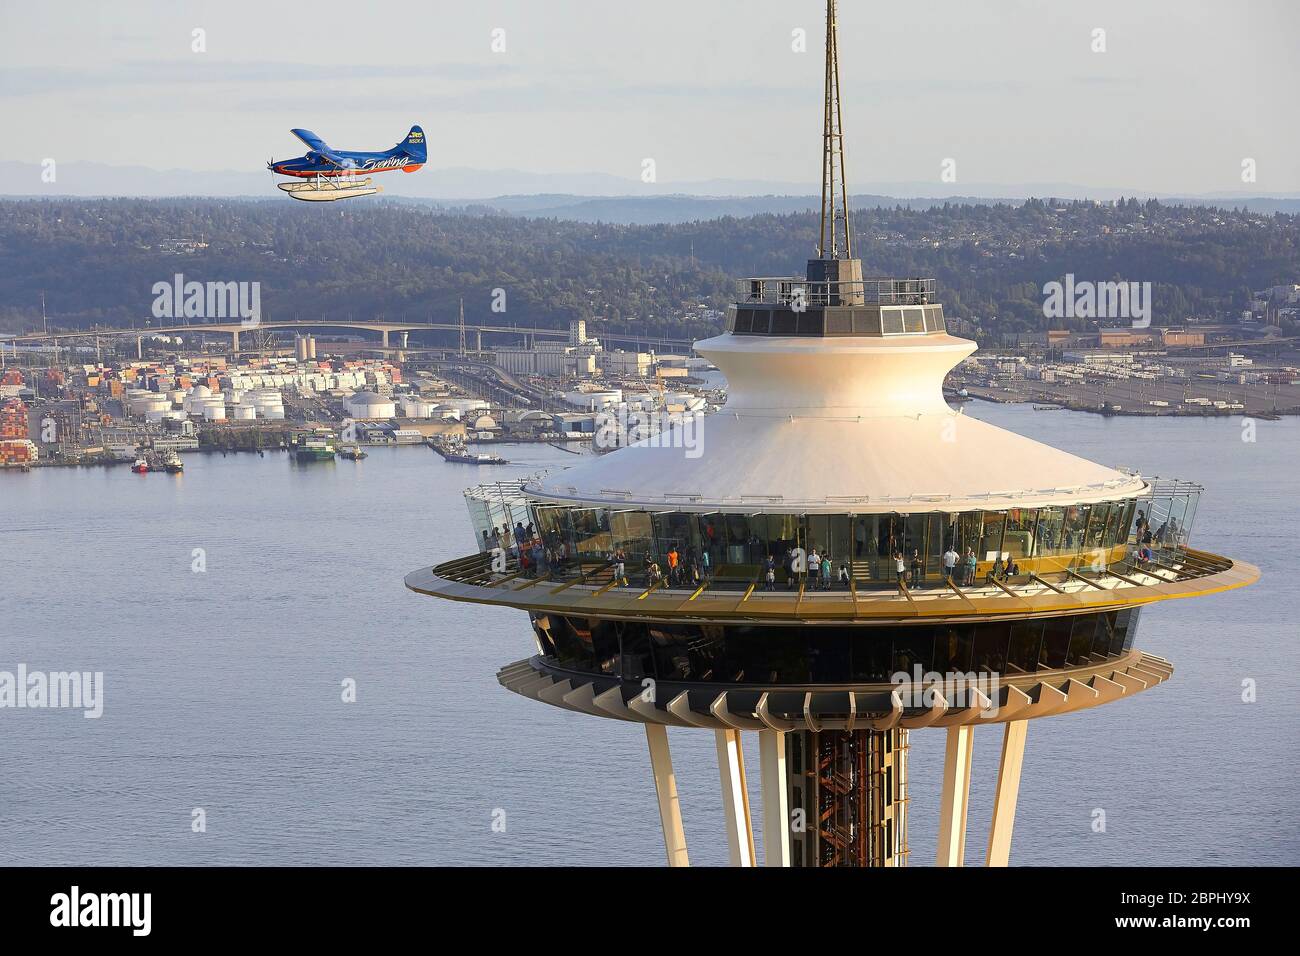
column 783, row 322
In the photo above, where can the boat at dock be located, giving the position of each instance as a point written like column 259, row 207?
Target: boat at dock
column 317, row 445
column 353, row 453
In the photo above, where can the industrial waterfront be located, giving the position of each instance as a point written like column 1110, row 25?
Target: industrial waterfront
column 223, row 687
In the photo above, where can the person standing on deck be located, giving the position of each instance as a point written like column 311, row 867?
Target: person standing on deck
column 950, row 559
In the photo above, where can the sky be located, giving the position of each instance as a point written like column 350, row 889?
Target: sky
column 1010, row 90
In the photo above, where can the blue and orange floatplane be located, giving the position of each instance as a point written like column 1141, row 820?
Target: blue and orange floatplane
column 326, row 174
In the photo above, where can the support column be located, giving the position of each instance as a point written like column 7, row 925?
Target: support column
column 735, row 797
column 670, row 810
column 956, row 794
column 776, row 798
column 1008, row 790
column 384, row 339
column 234, row 341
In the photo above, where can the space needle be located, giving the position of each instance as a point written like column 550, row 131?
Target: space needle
column 841, row 561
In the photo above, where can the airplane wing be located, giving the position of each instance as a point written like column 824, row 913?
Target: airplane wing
column 310, row 139
column 322, row 148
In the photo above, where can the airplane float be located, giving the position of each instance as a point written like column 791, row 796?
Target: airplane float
column 325, row 174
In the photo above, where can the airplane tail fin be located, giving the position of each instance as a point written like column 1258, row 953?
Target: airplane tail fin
column 413, row 146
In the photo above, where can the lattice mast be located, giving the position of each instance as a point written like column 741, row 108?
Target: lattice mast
column 836, row 237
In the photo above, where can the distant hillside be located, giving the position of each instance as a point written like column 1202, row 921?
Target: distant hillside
column 97, row 260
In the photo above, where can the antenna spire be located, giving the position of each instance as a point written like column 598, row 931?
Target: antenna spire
column 835, row 214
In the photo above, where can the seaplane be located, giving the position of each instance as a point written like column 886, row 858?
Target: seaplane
column 327, row 175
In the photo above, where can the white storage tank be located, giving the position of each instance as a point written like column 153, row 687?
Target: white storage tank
column 245, row 413
column 415, row 408
column 370, row 405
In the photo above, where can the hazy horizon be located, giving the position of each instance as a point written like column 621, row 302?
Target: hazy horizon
column 1011, row 91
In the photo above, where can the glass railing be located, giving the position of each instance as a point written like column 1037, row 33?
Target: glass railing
column 820, row 552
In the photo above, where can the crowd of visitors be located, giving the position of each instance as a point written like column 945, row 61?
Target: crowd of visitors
column 539, row 554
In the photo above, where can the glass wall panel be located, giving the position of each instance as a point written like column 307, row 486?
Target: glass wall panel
column 991, row 641
column 913, row 646
column 605, row 645
column 1126, row 628
column 990, row 546
column 1082, row 634
column 572, row 648
column 1076, row 524
column 1105, row 634
column 1018, row 540
column 1098, row 519
column 915, row 550
column 874, row 546
column 969, row 530
column 871, row 658
column 1026, row 640
column 828, row 655
column 1051, row 531
column 638, row 661
column 953, row 647
column 936, row 535
column 1114, row 522
column 589, row 533
column 1056, row 642
column 551, row 522
column 632, row 533
column 1189, row 516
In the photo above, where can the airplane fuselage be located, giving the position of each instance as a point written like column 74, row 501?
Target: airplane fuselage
column 364, row 164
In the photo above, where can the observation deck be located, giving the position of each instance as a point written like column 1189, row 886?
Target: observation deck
column 588, row 589
column 877, row 307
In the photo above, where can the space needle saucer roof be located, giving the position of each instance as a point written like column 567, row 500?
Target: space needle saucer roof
column 840, row 416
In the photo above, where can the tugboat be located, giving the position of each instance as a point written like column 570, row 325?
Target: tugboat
column 141, row 467
column 353, row 453
column 172, row 463
column 452, row 448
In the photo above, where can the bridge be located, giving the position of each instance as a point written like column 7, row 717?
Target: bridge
column 384, row 329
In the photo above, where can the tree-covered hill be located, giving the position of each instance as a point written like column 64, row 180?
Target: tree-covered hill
column 98, row 260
